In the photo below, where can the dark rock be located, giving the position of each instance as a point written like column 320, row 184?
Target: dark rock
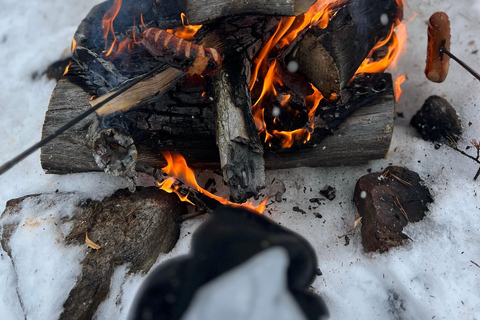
column 317, row 215
column 437, row 120
column 130, row 228
column 387, row 201
column 329, row 192
column 227, row 239
column 297, row 209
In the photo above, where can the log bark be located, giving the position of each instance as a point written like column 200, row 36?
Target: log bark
column 189, row 128
column 204, row 11
column 329, row 57
column 240, row 148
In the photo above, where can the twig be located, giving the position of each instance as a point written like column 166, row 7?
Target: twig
column 476, row 158
column 400, row 207
column 408, row 184
column 475, row 263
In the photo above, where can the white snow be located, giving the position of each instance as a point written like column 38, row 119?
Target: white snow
column 431, row 277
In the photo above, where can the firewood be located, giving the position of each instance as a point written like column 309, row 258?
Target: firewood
column 204, row 11
column 329, row 57
column 239, row 146
column 189, row 127
column 131, row 229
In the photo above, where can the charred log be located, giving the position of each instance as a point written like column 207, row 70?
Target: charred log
column 184, row 121
column 329, row 57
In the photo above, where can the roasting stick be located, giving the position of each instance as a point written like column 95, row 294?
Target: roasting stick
column 10, row 164
column 439, row 35
column 460, row 62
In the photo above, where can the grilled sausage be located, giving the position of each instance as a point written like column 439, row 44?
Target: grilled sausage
column 182, row 54
column 438, row 36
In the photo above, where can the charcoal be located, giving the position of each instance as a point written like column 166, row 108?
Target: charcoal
column 387, row 201
column 437, row 120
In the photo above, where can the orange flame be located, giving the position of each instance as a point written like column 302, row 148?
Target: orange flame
column 107, row 25
column 67, row 68
column 264, row 67
column 178, row 169
column 74, row 44
column 398, row 86
column 396, row 41
column 186, row 31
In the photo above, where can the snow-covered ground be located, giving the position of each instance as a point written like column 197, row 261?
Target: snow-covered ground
column 432, row 277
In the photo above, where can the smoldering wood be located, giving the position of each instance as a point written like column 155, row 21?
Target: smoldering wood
column 350, row 132
column 239, row 146
column 241, row 153
column 204, row 11
column 329, row 57
column 184, row 121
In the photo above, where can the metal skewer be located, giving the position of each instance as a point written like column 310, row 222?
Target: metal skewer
column 8, row 165
column 448, row 53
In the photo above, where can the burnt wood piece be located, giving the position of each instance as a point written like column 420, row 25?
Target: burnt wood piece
column 184, row 121
column 437, row 120
column 329, row 57
column 240, row 149
column 239, row 146
column 353, row 131
column 131, row 229
column 387, row 201
column 205, row 11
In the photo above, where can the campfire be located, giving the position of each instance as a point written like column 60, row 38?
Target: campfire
column 242, row 88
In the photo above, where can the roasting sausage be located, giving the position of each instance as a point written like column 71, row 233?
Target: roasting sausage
column 438, row 36
column 182, row 54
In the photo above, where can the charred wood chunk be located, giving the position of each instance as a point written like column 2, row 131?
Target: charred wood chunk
column 437, row 120
column 329, row 57
column 241, row 236
column 130, row 229
column 387, row 201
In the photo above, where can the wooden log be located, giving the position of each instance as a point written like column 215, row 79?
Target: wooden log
column 239, row 146
column 329, row 57
column 358, row 137
column 189, row 129
column 204, row 11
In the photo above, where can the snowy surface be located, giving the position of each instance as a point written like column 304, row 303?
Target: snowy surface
column 432, row 277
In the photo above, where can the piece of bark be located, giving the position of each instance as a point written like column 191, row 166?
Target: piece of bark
column 130, row 228
column 329, row 57
column 239, row 146
column 437, row 120
column 184, row 121
column 205, row 11
column 387, row 201
column 240, row 150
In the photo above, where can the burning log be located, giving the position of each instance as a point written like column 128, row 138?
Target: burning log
column 204, row 11
column 209, row 119
column 329, row 57
column 185, row 121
